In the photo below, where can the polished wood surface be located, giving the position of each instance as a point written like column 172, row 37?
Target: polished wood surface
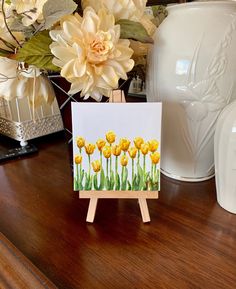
column 190, row 242
column 17, row 272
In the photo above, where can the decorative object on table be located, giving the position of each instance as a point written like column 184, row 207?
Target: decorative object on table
column 116, row 152
column 92, row 52
column 225, row 158
column 192, row 70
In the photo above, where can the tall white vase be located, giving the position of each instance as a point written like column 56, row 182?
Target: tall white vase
column 191, row 69
column 225, row 158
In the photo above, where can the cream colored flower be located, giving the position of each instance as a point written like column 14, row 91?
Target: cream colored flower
column 4, row 34
column 124, row 9
column 121, row 9
column 18, row 81
column 31, row 9
column 90, row 53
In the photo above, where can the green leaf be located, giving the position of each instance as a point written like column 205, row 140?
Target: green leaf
column 95, row 183
column 37, row 52
column 117, row 186
column 129, row 186
column 76, row 187
column 54, row 11
column 102, row 180
column 107, row 183
column 133, row 30
column 112, row 180
column 87, row 182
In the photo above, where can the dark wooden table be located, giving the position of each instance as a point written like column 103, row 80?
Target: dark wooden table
column 190, row 242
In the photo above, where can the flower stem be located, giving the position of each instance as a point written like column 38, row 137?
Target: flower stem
column 144, row 165
column 132, row 174
column 77, row 174
column 116, row 165
column 5, row 22
column 89, row 165
column 107, row 167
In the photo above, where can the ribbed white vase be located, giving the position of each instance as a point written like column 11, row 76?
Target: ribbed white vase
column 225, row 158
column 191, row 69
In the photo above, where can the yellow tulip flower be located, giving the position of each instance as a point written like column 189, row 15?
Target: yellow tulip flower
column 100, row 144
column 96, row 166
column 132, row 152
column 110, row 136
column 138, row 141
column 155, row 157
column 80, row 142
column 124, row 160
column 116, row 150
column 153, row 145
column 78, row 159
column 106, row 151
column 124, row 144
column 89, row 148
column 144, row 148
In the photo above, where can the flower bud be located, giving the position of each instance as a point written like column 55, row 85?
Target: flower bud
column 110, row 136
column 106, row 151
column 100, row 144
column 80, row 142
column 138, row 141
column 155, row 157
column 153, row 145
column 116, row 150
column 124, row 160
column 144, row 148
column 96, row 166
column 78, row 159
column 89, row 148
column 132, row 152
column 124, row 144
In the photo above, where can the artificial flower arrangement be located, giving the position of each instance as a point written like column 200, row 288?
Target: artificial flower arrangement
column 91, row 43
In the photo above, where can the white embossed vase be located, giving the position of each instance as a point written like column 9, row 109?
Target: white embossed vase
column 191, row 69
column 225, row 158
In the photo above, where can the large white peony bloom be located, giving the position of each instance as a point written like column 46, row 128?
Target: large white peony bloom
column 18, row 81
column 90, row 53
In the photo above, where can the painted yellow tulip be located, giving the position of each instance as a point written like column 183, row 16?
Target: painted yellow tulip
column 100, row 144
column 124, row 144
column 96, row 166
column 155, row 157
column 116, row 150
column 124, row 160
column 138, row 141
column 153, row 145
column 110, row 136
column 80, row 142
column 144, row 148
column 132, row 152
column 106, row 151
column 78, row 159
column 89, row 148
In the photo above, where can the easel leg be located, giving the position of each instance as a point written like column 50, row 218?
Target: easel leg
column 144, row 210
column 92, row 209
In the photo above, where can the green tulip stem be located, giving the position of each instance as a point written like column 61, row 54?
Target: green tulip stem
column 152, row 171
column 77, row 173
column 144, row 164
column 89, row 170
column 116, row 165
column 101, row 158
column 138, row 157
column 132, row 173
column 107, row 166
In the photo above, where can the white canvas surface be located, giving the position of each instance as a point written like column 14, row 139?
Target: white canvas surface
column 128, row 120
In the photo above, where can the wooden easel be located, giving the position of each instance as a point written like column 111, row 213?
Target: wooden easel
column 142, row 196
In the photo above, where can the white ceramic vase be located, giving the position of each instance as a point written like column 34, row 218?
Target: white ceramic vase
column 191, row 69
column 225, row 158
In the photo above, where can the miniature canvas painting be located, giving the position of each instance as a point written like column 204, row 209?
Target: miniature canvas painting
column 116, row 146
